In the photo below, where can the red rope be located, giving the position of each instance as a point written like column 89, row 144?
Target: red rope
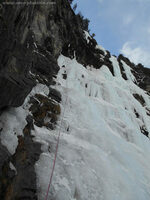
column 54, row 162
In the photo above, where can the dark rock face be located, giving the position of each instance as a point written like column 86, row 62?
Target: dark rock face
column 142, row 75
column 4, row 157
column 54, row 94
column 14, row 63
column 24, row 50
column 108, row 63
column 14, row 90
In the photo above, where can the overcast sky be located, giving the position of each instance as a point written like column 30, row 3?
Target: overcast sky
column 121, row 26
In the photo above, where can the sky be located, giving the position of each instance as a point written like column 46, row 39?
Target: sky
column 121, row 26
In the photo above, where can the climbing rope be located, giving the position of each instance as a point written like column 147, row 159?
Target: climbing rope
column 54, row 162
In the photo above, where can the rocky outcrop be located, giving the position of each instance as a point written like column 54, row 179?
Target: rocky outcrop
column 45, row 111
column 25, row 51
column 19, row 182
column 141, row 73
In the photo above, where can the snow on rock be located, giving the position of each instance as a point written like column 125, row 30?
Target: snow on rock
column 13, row 120
column 102, row 153
column 87, row 36
column 38, row 89
column 101, row 48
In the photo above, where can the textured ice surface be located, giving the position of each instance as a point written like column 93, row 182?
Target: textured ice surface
column 102, row 153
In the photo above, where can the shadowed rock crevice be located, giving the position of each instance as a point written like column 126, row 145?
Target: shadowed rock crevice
column 139, row 98
column 5, row 171
column 121, row 58
column 144, row 131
